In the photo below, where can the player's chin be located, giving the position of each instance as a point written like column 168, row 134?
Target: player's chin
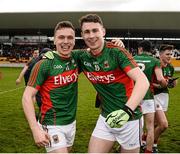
column 93, row 47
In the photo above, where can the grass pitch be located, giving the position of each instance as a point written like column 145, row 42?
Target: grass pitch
column 16, row 137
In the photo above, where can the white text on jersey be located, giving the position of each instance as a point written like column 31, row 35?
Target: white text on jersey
column 101, row 78
column 61, row 80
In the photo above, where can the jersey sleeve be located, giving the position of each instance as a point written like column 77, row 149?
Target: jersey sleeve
column 125, row 60
column 39, row 74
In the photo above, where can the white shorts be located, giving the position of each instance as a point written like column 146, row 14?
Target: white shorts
column 148, row 106
column 128, row 136
column 61, row 136
column 161, row 101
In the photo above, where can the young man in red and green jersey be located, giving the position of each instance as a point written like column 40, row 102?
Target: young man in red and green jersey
column 56, row 80
column 161, row 96
column 151, row 67
column 112, row 71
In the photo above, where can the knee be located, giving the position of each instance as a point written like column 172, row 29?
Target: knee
column 164, row 125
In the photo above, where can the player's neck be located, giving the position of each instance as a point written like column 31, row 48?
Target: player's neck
column 97, row 52
column 164, row 64
column 64, row 56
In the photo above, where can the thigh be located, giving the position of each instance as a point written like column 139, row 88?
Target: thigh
column 97, row 145
column 135, row 150
column 102, row 138
column 160, row 117
column 149, row 120
column 59, row 150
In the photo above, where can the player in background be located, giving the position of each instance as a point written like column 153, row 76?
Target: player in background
column 112, row 71
column 24, row 73
column 161, row 96
column 28, row 67
column 151, row 67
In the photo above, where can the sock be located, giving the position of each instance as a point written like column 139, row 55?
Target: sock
column 155, row 145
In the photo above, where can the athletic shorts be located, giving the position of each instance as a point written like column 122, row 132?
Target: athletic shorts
column 61, row 136
column 161, row 101
column 128, row 136
column 148, row 106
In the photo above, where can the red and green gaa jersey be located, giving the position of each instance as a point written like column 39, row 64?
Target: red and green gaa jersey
column 168, row 72
column 108, row 74
column 56, row 81
column 148, row 64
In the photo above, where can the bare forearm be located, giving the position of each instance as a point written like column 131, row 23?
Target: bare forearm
column 161, row 80
column 28, row 107
column 23, row 72
column 139, row 91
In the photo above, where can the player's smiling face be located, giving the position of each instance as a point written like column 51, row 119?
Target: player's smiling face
column 93, row 34
column 166, row 56
column 64, row 40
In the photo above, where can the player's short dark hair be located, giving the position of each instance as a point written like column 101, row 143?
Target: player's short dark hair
column 146, row 45
column 63, row 24
column 90, row 18
column 164, row 47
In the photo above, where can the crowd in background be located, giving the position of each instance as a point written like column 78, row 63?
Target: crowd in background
column 25, row 51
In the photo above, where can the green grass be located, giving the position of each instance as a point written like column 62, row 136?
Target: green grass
column 15, row 135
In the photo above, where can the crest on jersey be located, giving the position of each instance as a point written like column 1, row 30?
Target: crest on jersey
column 97, row 68
column 106, row 64
column 67, row 66
column 55, row 138
column 73, row 62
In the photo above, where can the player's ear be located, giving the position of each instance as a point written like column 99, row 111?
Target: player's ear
column 104, row 31
column 54, row 41
column 81, row 33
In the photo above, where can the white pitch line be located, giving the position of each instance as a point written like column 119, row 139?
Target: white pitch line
column 3, row 92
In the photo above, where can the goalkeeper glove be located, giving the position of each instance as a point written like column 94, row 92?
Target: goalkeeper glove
column 118, row 118
column 171, row 82
column 49, row 55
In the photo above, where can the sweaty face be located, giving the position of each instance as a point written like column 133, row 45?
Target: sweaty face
column 93, row 34
column 64, row 41
column 166, row 56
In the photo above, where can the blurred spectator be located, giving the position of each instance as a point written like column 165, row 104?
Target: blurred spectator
column 24, row 73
